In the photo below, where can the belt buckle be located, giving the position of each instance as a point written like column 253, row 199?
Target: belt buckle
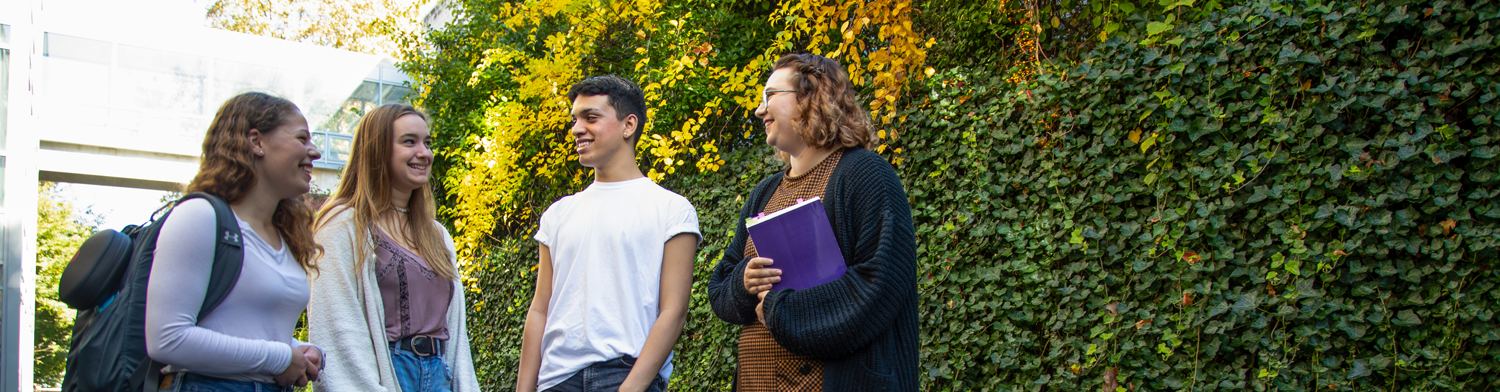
column 416, row 346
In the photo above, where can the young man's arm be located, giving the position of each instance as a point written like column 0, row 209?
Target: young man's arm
column 676, row 288
column 536, row 321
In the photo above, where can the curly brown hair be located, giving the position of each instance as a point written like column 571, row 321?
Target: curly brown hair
column 831, row 115
column 226, row 168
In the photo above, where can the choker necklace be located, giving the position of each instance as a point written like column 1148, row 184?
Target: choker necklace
column 400, row 210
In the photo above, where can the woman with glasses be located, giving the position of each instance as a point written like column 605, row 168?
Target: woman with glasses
column 859, row 331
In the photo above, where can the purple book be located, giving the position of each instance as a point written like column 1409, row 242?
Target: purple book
column 800, row 241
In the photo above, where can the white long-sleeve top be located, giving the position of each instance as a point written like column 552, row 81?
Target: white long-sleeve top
column 347, row 318
column 248, row 336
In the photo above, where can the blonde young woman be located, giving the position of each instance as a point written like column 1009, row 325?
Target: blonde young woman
column 257, row 157
column 387, row 304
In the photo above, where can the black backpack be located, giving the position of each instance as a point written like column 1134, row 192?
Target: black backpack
column 106, row 282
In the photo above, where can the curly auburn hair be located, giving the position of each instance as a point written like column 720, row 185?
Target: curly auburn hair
column 831, row 116
column 226, row 168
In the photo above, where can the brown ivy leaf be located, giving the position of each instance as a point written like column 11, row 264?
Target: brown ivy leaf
column 1142, row 323
column 1448, row 225
column 1113, row 308
column 1340, row 253
column 703, row 48
column 1187, row 298
column 1191, row 257
column 1271, row 290
column 1110, row 382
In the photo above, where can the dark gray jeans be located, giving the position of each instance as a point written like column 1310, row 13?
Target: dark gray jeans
column 605, row 377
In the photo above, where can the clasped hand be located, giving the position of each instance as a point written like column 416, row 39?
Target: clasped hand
column 307, row 361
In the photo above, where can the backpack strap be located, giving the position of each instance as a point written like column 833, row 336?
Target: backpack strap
column 229, row 258
column 229, row 253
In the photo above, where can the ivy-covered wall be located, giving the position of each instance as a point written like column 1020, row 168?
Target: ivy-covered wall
column 1275, row 195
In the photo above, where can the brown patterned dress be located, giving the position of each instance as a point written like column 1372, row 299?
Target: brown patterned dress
column 764, row 364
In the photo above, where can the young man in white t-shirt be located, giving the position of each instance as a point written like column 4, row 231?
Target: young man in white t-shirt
column 615, row 264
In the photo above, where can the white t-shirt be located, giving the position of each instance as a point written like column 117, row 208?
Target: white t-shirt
column 606, row 244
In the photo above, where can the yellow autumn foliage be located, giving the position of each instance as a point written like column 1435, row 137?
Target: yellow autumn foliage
column 523, row 126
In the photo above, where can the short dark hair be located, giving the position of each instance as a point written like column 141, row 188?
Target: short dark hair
column 624, row 96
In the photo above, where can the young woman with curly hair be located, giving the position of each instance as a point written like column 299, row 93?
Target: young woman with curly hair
column 257, row 157
column 859, row 331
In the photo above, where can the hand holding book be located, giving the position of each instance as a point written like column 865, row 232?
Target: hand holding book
column 800, row 241
column 759, row 276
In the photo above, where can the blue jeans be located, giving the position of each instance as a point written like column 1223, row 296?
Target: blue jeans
column 188, row 382
column 417, row 373
column 605, row 376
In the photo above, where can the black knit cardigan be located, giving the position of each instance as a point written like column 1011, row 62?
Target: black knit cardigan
column 863, row 326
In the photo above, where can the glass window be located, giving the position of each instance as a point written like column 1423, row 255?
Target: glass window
column 4, row 34
column 334, row 147
column 77, row 48
column 367, row 92
column 396, row 94
column 364, row 99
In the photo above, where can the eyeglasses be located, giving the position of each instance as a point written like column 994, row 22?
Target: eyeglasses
column 768, row 93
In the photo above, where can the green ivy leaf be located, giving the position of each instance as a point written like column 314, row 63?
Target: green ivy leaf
column 1156, row 28
column 1406, row 318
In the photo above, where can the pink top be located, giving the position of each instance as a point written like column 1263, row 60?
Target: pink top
column 415, row 298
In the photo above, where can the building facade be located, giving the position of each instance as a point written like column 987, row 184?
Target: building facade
column 121, row 93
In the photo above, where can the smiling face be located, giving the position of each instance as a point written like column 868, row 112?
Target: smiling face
column 285, row 156
column 411, row 153
column 779, row 111
column 600, row 136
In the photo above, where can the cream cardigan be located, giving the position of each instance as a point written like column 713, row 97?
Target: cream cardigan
column 345, row 318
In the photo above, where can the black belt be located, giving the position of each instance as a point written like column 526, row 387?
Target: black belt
column 422, row 345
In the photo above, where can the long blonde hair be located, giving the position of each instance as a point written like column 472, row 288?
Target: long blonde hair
column 225, row 170
column 366, row 189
